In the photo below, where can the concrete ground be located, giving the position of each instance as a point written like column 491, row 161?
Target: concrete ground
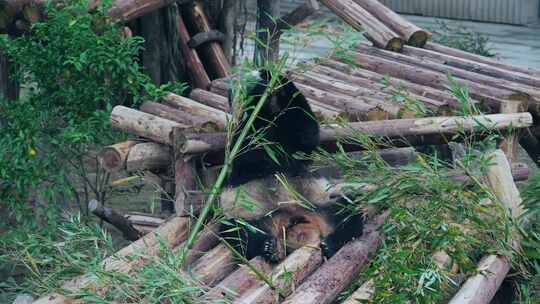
column 517, row 45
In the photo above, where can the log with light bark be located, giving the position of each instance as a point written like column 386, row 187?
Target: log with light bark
column 197, row 22
column 210, row 99
column 113, row 158
column 220, row 86
column 172, row 233
column 289, row 273
column 180, row 115
column 409, row 32
column 439, row 48
column 333, row 276
column 492, row 269
column 214, row 265
column 114, row 218
column 363, row 293
column 148, row 156
column 196, row 72
column 143, row 124
column 144, row 223
column 357, row 110
column 361, row 20
column 492, row 96
column 420, row 129
column 483, row 84
column 207, row 239
column 197, row 109
column 474, row 66
column 239, row 281
column 396, row 83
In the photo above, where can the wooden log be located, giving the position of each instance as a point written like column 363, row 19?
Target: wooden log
column 184, row 176
column 148, row 156
column 143, row 124
column 239, row 281
column 334, row 275
column 363, row 293
column 492, row 96
column 409, row 32
column 210, row 99
column 138, row 218
column 473, row 66
column 172, row 233
column 289, row 273
column 267, row 40
column 398, row 128
column 492, row 269
column 214, row 265
column 197, row 22
column 207, row 239
column 113, row 158
column 520, row 172
column 510, row 142
column 361, row 20
column 189, row 118
column 196, row 72
column 114, row 218
column 357, row 109
column 192, row 107
column 220, row 86
column 386, row 90
column 378, row 79
column 439, row 48
column 516, row 91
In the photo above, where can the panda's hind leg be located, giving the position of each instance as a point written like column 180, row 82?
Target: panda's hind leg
column 347, row 228
column 246, row 240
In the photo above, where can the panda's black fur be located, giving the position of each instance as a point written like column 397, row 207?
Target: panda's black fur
column 263, row 218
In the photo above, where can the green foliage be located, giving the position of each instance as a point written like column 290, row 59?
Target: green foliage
column 460, row 37
column 46, row 260
column 75, row 65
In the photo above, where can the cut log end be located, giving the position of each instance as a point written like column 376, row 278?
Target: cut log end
column 419, row 38
column 395, row 44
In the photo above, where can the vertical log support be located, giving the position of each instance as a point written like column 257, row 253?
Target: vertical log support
column 184, row 176
column 195, row 69
column 510, row 142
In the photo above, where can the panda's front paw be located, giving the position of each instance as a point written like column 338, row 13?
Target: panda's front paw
column 270, row 250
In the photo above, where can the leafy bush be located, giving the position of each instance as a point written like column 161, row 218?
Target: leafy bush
column 76, row 65
column 460, row 37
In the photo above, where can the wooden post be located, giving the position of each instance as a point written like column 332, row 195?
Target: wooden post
column 195, row 69
column 511, row 140
column 184, row 176
column 112, row 217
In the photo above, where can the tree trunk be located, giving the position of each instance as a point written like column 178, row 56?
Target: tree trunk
column 267, row 44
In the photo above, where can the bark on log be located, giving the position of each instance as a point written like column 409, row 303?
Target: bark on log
column 113, row 158
column 378, row 79
column 143, row 124
column 190, row 118
column 206, row 240
column 137, row 218
column 392, row 129
column 184, row 177
column 214, row 265
column 364, row 293
column 409, row 32
column 220, row 86
column 289, row 273
column 510, row 142
column 491, row 271
column 210, row 99
column 360, row 19
column 488, row 84
column 172, row 233
column 148, row 156
column 197, row 22
column 112, row 217
column 333, row 276
column 239, row 281
column 492, row 96
column 481, row 59
column 474, row 66
column 192, row 107
column 196, row 72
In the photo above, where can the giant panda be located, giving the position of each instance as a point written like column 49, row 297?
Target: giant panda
column 273, row 204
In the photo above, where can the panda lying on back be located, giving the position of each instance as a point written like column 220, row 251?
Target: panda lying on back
column 258, row 190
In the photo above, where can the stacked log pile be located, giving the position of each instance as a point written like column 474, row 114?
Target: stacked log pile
column 402, row 97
